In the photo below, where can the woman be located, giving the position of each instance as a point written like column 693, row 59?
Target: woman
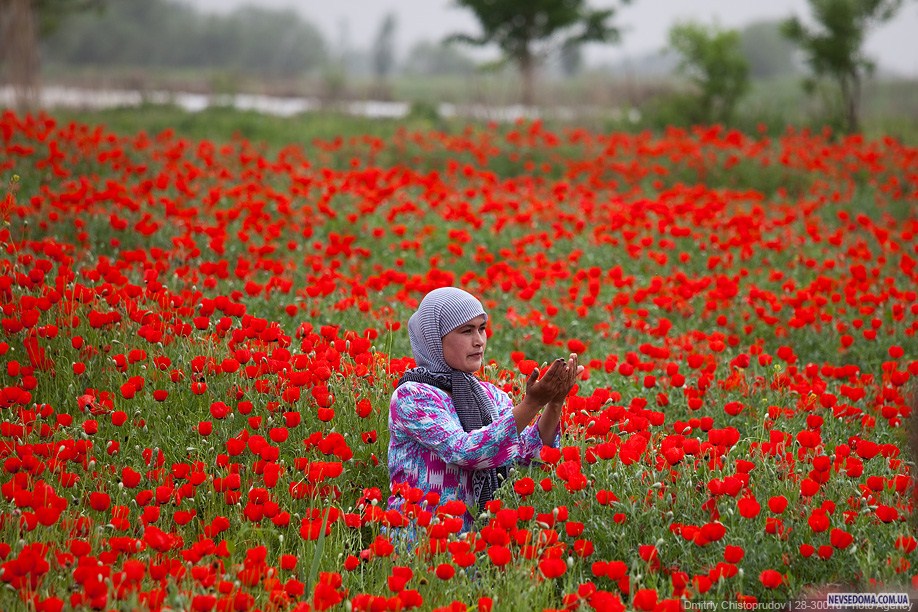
column 450, row 433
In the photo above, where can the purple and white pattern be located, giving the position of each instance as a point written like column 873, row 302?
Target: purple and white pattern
column 429, row 449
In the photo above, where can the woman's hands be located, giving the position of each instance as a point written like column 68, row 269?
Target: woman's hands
column 557, row 382
column 547, row 391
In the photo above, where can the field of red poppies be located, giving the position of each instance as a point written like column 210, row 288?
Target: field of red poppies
column 199, row 341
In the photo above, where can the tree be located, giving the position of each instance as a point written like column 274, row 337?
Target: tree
column 712, row 59
column 22, row 23
column 527, row 30
column 834, row 46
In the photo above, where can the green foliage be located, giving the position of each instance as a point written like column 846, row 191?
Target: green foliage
column 834, row 47
column 159, row 33
column 52, row 12
column 424, row 111
column 713, row 61
column 516, row 25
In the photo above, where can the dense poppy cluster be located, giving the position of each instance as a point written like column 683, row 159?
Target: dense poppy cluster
column 199, row 341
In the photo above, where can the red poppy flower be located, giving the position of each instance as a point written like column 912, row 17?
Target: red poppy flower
column 399, row 578
column 99, row 501
column 351, row 563
column 886, row 514
column 645, row 599
column 552, row 568
column 452, row 508
column 818, row 520
column 748, row 507
column 777, row 504
column 906, row 544
column 733, row 554
column 499, row 555
column 771, row 579
column 445, row 571
column 583, row 548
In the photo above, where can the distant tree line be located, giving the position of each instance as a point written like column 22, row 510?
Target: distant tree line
column 268, row 42
column 280, row 43
column 160, row 33
column 715, row 63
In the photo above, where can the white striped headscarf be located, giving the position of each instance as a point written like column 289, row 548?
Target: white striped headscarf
column 440, row 312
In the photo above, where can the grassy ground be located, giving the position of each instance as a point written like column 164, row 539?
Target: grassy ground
column 223, row 123
column 597, row 101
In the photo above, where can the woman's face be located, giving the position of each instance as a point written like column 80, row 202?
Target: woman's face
column 463, row 348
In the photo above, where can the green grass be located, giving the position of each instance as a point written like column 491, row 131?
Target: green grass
column 222, row 124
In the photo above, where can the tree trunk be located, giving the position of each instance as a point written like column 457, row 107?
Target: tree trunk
column 854, row 121
column 19, row 49
column 527, row 72
column 850, row 85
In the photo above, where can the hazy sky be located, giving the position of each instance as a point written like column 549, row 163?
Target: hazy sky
column 646, row 23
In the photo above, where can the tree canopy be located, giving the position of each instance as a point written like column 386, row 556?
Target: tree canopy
column 527, row 30
column 834, row 45
column 712, row 59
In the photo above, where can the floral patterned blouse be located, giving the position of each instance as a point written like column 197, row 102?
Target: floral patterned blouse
column 429, row 450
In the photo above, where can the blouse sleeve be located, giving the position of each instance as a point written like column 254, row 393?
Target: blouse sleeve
column 531, row 442
column 428, row 417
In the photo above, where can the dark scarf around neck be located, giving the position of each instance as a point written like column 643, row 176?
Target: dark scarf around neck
column 474, row 409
